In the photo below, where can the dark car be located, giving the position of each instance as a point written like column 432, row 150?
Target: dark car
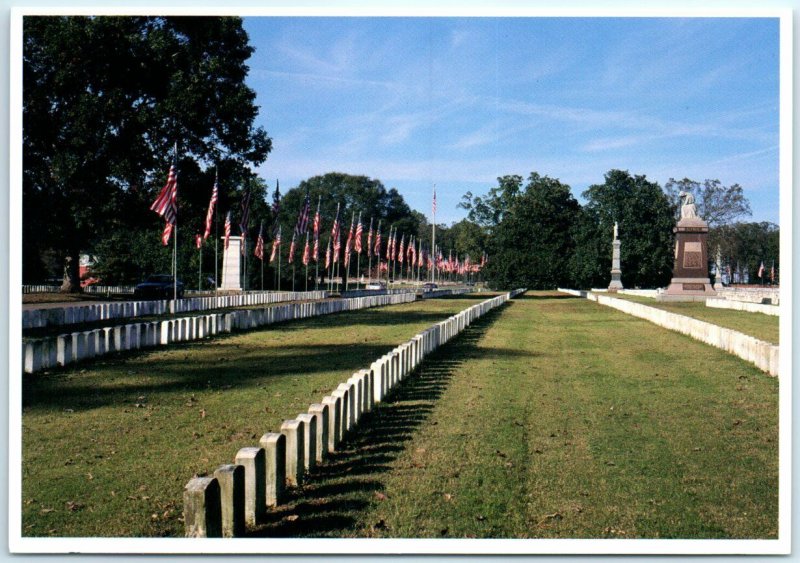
column 429, row 286
column 159, row 286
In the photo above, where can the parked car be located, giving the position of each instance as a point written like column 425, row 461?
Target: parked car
column 158, row 286
column 429, row 286
column 376, row 285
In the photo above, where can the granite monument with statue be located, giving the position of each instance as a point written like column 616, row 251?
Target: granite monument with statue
column 690, row 279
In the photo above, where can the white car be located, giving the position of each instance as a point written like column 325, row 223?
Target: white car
column 376, row 285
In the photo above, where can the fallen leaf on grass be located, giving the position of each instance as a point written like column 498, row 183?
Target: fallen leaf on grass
column 73, row 506
column 480, row 518
column 380, row 496
column 292, row 518
column 554, row 516
column 47, row 510
column 202, row 413
column 447, row 496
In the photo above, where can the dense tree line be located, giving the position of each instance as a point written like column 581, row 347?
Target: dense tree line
column 539, row 236
column 105, row 99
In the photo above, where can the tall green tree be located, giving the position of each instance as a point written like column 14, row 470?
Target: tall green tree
column 488, row 211
column 646, row 219
column 104, row 101
column 531, row 245
column 716, row 203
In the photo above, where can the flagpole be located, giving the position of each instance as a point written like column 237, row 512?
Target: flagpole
column 216, row 257
column 279, row 267
column 175, row 242
column 433, row 236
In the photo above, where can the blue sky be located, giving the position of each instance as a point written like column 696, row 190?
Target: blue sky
column 460, row 101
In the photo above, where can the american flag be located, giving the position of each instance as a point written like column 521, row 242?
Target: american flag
column 210, row 214
column 772, row 272
column 276, row 245
column 359, row 234
column 328, row 255
column 291, row 248
column 378, row 240
column 302, row 219
column 317, row 225
column 306, row 252
column 166, row 204
column 244, row 224
column 227, row 230
column 761, row 270
column 259, row 251
column 198, row 241
column 369, row 239
column 348, row 247
column 402, row 248
column 335, row 236
column 434, row 200
column 390, row 245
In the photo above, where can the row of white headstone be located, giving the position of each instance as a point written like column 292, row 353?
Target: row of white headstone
column 236, row 497
column 64, row 349
column 59, row 316
column 764, row 355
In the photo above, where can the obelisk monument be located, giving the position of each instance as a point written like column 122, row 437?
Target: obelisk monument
column 232, row 265
column 616, row 283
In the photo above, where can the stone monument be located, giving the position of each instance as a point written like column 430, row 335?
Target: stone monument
column 615, row 284
column 690, row 281
column 231, row 264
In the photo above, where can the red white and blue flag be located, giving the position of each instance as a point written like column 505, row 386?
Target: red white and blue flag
column 359, row 234
column 276, row 245
column 210, row 214
column 259, row 251
column 166, row 204
column 302, row 219
column 227, row 230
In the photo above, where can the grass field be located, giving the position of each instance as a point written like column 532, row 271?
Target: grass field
column 558, row 418
column 550, row 417
column 108, row 446
column 757, row 325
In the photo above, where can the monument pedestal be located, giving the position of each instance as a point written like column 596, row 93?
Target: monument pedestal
column 690, row 280
column 616, row 283
column 231, row 265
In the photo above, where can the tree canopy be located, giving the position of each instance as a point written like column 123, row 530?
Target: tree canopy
column 532, row 242
column 104, row 101
column 716, row 203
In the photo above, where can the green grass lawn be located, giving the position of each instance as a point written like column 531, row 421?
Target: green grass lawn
column 555, row 417
column 108, row 446
column 757, row 325
column 551, row 417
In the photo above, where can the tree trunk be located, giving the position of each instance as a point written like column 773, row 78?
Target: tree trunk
column 72, row 281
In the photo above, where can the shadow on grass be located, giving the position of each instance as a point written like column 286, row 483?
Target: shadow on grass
column 351, row 480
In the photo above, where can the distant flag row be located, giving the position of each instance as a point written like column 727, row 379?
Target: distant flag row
column 406, row 251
